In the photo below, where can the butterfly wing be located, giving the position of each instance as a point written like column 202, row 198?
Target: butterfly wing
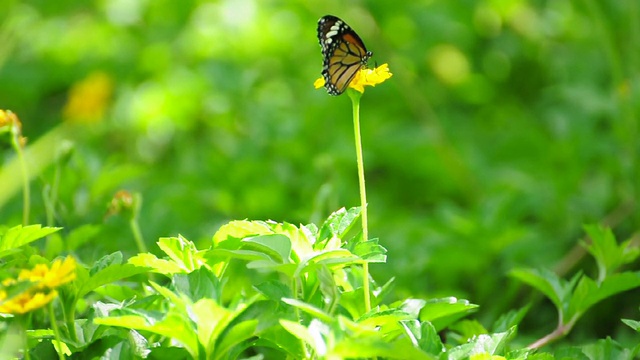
column 343, row 53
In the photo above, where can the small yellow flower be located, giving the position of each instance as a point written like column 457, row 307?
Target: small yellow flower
column 26, row 301
column 370, row 77
column 9, row 122
column 44, row 281
column 486, row 356
column 8, row 118
column 61, row 272
column 88, row 98
column 8, row 282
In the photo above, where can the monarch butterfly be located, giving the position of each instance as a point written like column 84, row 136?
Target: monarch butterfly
column 343, row 53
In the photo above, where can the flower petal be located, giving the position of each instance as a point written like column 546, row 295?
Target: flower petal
column 319, row 83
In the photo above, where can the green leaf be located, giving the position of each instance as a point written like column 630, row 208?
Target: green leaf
column 336, row 257
column 492, row 344
column 154, row 264
column 608, row 254
column 352, row 302
column 211, row 320
column 375, row 346
column 388, row 319
column 270, row 265
column 274, row 290
column 309, row 309
column 301, row 332
column 235, row 336
column 635, row 325
column 481, row 347
column 328, row 287
column 173, row 325
column 524, row 354
column 183, row 252
column 240, row 229
column 381, row 293
column 18, row 236
column 459, row 352
column 570, row 353
column 223, row 255
column 214, row 322
column 106, row 261
column 368, row 250
column 444, row 311
column 169, row 352
column 423, row 336
column 281, row 339
column 468, row 329
column 276, row 246
column 87, row 331
column 339, row 223
column 86, row 283
column 301, row 239
column 548, row 283
column 510, row 319
column 180, row 302
column 6, row 253
column 198, row 284
column 607, row 349
column 588, row 292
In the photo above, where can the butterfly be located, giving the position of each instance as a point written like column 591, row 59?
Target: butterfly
column 343, row 53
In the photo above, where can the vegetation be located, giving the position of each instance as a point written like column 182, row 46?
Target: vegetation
column 172, row 186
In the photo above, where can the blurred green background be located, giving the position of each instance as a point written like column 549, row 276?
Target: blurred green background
column 506, row 126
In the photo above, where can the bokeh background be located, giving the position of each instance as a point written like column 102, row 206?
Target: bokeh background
column 507, row 126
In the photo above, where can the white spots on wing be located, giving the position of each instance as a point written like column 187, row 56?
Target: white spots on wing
column 331, row 33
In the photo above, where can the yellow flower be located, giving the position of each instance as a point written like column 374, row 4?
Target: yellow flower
column 9, row 122
column 8, row 282
column 370, row 77
column 8, row 118
column 61, row 272
column 25, row 302
column 44, row 280
column 486, row 356
column 122, row 202
column 88, row 99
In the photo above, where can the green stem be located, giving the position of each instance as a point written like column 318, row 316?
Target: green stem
column 137, row 234
column 56, row 331
column 52, row 195
column 136, row 205
column 70, row 319
column 355, row 101
column 297, row 290
column 25, row 323
column 26, row 196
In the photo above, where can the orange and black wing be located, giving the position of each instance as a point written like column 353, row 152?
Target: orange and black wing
column 343, row 53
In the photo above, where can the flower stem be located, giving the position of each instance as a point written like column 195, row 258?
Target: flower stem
column 137, row 235
column 24, row 324
column 134, row 225
column 355, row 101
column 26, row 196
column 56, row 331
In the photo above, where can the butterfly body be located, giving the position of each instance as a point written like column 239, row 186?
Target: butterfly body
column 343, row 52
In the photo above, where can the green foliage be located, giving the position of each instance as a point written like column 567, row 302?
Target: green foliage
column 305, row 301
column 573, row 298
column 12, row 239
column 296, row 291
column 504, row 130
